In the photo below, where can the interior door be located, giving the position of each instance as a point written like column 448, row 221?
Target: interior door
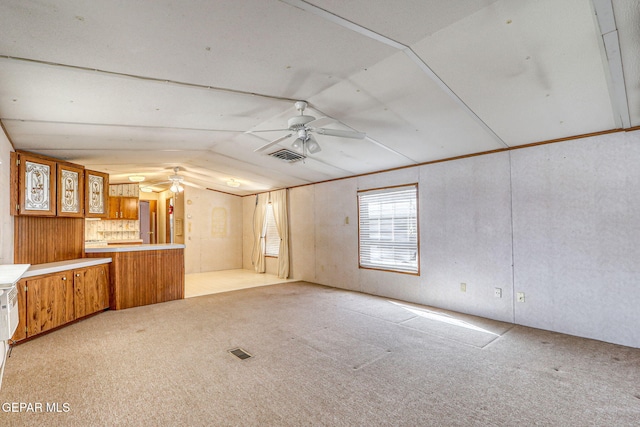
column 145, row 222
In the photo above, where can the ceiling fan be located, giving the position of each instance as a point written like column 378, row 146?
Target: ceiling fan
column 302, row 127
column 176, row 182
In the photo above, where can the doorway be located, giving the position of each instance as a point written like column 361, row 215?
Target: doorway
column 149, row 221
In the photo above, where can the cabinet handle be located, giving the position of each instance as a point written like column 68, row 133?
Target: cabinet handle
column 116, row 214
column 121, row 216
column 77, row 274
column 64, row 278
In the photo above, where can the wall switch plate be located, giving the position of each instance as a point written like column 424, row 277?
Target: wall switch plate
column 497, row 292
column 463, row 287
column 520, row 296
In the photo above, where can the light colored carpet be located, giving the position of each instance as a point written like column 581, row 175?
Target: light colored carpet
column 321, row 356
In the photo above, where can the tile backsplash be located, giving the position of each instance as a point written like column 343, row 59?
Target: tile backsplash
column 109, row 230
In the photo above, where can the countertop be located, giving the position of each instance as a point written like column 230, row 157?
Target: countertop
column 56, row 267
column 11, row 273
column 131, row 248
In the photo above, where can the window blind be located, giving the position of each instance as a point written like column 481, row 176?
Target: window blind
column 388, row 228
column 272, row 238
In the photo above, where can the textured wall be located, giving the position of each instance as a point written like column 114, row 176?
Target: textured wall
column 576, row 211
column 6, row 220
column 465, row 233
column 570, row 242
column 213, row 231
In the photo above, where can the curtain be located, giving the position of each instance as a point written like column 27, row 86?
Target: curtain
column 281, row 216
column 259, row 213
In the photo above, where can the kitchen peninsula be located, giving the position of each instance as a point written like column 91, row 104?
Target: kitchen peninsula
column 142, row 274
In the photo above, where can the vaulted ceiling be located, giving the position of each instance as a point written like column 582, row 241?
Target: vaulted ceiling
column 141, row 87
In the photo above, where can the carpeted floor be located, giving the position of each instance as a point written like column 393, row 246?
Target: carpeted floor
column 321, row 356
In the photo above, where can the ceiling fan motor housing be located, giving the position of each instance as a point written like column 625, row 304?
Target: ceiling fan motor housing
column 299, row 122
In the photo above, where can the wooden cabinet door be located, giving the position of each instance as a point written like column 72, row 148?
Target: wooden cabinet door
column 91, row 290
column 96, row 200
column 49, row 302
column 21, row 330
column 114, row 207
column 123, row 207
column 70, row 186
column 129, row 207
column 36, row 186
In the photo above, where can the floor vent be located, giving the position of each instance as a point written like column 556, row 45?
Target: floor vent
column 240, row 353
column 287, row 155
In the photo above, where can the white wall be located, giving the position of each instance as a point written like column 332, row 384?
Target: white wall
column 570, row 242
column 213, row 231
column 576, row 211
column 6, row 220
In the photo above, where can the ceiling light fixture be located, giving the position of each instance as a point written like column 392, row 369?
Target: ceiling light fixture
column 136, row 178
column 146, row 189
column 233, row 183
column 306, row 143
column 176, row 180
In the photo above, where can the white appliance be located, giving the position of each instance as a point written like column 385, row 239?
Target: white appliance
column 8, row 312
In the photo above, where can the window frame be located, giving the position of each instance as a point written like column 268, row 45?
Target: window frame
column 417, row 228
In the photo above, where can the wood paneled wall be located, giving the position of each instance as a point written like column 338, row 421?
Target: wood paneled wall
column 39, row 240
column 145, row 277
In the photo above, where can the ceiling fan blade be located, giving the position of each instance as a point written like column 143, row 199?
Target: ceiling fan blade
column 274, row 142
column 267, row 130
column 341, row 133
column 322, row 121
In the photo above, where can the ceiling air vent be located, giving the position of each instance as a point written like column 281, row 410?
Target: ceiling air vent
column 287, row 155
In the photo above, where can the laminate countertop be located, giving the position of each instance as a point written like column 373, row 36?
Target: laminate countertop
column 56, row 267
column 11, row 273
column 131, row 248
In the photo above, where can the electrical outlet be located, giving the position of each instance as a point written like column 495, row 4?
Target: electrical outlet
column 497, row 292
column 520, row 296
column 463, row 287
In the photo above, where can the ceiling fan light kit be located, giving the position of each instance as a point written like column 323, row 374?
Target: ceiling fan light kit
column 176, row 180
column 303, row 126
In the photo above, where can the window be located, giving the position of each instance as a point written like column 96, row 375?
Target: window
column 388, row 229
column 271, row 236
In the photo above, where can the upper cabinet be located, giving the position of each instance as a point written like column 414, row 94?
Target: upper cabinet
column 123, row 201
column 70, row 190
column 43, row 186
column 36, row 186
column 96, row 202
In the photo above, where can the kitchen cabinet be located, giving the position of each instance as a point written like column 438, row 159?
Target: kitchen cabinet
column 123, row 207
column 44, row 186
column 96, row 200
column 143, row 274
column 34, row 179
column 70, row 185
column 21, row 330
column 91, row 290
column 49, row 302
column 52, row 300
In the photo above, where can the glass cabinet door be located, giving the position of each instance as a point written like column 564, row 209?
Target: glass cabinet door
column 96, row 196
column 37, row 186
column 70, row 190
